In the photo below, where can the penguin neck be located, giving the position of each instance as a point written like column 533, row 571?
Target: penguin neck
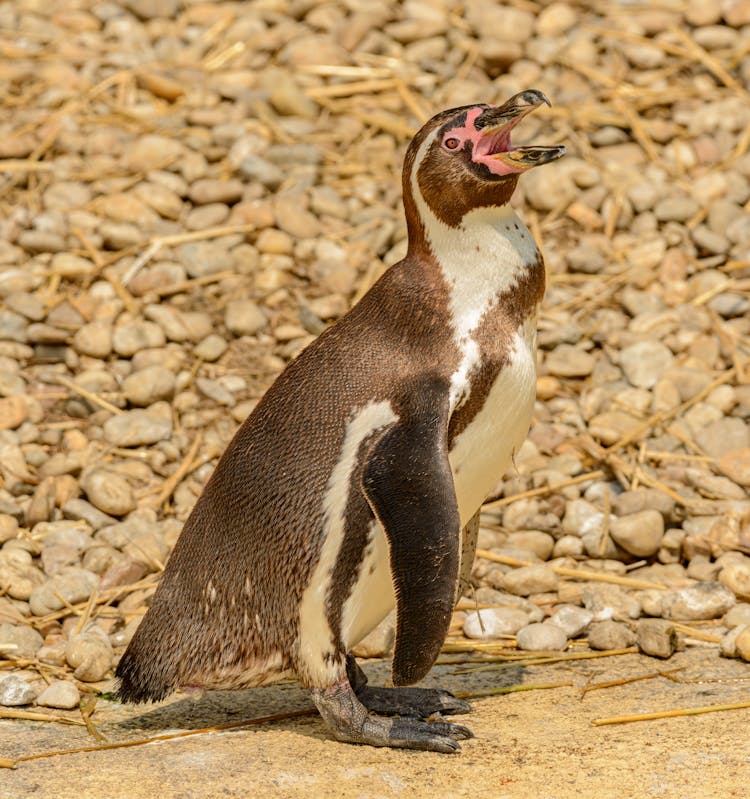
column 482, row 258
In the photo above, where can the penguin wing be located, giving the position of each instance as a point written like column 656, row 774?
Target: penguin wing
column 408, row 483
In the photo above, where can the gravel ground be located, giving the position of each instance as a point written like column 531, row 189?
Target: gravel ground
column 190, row 192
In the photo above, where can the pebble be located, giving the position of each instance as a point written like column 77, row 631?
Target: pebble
column 72, row 585
column 148, row 385
column 108, row 491
column 739, row 614
column 571, row 619
column 736, row 577
column 526, row 580
column 211, row 348
column 89, row 654
column 61, row 694
column 138, row 428
column 208, row 190
column 244, row 318
column 129, row 338
column 541, row 637
column 18, row 575
column 494, row 622
column 610, row 634
column 14, row 411
column 610, row 602
column 15, row 691
column 19, row 640
column 735, row 464
column 644, row 362
column 94, row 339
column 639, row 533
column 656, row 637
column 742, row 644
column 569, row 361
column 702, row 601
column 728, row 643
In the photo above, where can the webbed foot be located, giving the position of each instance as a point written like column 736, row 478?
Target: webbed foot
column 349, row 721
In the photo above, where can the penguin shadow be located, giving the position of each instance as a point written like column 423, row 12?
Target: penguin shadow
column 216, row 708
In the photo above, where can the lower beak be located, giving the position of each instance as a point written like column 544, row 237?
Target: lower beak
column 531, row 155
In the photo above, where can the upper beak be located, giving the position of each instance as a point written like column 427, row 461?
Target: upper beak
column 512, row 111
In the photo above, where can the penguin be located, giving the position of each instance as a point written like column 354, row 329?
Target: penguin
column 355, row 484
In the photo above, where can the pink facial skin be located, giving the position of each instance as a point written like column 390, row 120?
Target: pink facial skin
column 488, row 147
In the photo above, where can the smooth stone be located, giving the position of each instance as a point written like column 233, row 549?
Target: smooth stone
column 73, row 585
column 94, row 340
column 656, row 637
column 19, row 577
column 610, row 634
column 19, row 640
column 8, row 527
column 148, row 385
column 108, row 491
column 610, row 602
column 742, row 644
column 90, row 654
column 736, row 466
column 645, row 362
column 81, row 509
column 61, row 694
column 639, row 533
column 724, row 436
column 736, row 577
column 15, row 691
column 14, row 411
column 739, row 614
column 541, row 544
column 211, row 348
column 569, row 361
column 139, row 427
column 541, row 637
column 728, row 643
column 244, row 318
column 698, row 602
column 536, row 579
column 494, row 623
column 210, row 190
column 640, row 499
column 571, row 619
column 129, row 338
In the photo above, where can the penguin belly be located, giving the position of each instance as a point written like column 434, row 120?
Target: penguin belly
column 481, row 454
column 372, row 597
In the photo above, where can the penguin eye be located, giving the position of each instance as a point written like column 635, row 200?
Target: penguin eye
column 451, row 143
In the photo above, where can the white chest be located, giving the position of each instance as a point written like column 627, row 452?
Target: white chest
column 484, row 449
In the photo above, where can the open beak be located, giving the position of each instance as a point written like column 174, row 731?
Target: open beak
column 495, row 125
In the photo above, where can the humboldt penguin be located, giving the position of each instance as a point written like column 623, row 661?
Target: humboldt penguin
column 354, row 486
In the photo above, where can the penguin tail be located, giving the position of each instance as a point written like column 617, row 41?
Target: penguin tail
column 145, row 673
column 139, row 682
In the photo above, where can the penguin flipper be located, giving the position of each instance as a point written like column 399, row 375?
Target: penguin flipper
column 408, row 483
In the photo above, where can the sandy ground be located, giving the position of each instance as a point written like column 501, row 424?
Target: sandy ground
column 538, row 744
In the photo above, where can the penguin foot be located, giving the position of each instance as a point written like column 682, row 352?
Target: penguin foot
column 349, row 721
column 411, row 702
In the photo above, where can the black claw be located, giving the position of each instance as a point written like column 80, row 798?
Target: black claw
column 411, row 702
column 435, row 737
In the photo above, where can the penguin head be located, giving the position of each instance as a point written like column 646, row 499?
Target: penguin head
column 463, row 158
